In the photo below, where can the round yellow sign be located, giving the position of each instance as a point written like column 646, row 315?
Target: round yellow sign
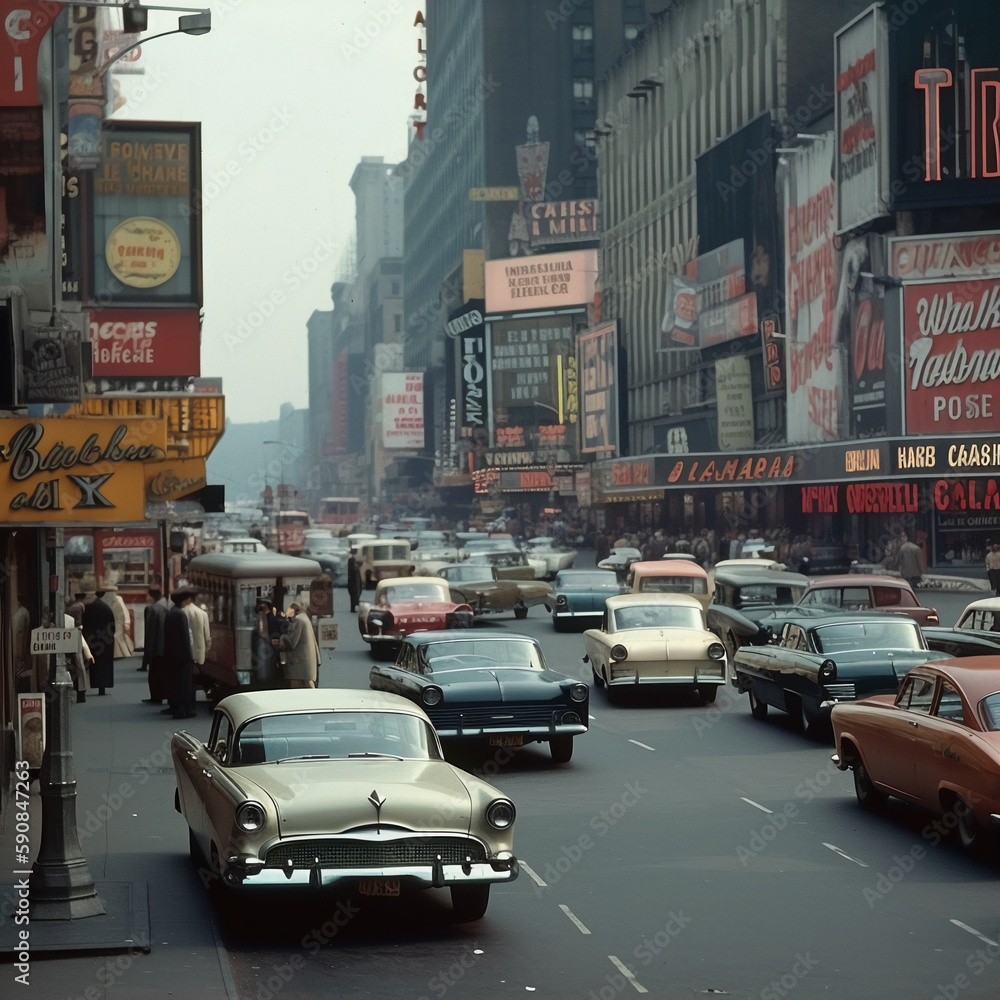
column 143, row 252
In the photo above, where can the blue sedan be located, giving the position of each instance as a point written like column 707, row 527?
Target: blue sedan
column 579, row 595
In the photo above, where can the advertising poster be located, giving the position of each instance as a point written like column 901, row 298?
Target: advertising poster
column 815, row 389
column 597, row 367
column 544, row 281
column 734, row 403
column 30, row 728
column 403, row 410
column 145, row 343
column 50, row 365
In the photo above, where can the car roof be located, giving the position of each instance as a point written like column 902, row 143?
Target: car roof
column 856, row 580
column 977, row 676
column 668, row 567
column 395, row 580
column 645, row 600
column 453, row 634
column 743, row 577
column 813, row 617
column 249, row 704
column 986, row 604
column 588, row 572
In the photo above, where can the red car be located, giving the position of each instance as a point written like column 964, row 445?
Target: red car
column 861, row 592
column 409, row 604
column 935, row 744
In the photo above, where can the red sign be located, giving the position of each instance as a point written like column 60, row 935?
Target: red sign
column 24, row 27
column 950, row 346
column 967, row 494
column 137, row 343
column 948, row 256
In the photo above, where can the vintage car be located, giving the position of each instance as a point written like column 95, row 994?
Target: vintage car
column 331, row 553
column 852, row 592
column 344, row 788
column 669, row 576
column 384, row 558
column 579, row 595
column 655, row 639
column 555, row 555
column 977, row 632
column 620, row 560
column 480, row 585
column 490, row 687
column 510, row 562
column 409, row 604
column 935, row 744
column 822, row 657
column 751, row 593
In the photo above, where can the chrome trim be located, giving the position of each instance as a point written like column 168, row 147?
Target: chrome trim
column 423, row 877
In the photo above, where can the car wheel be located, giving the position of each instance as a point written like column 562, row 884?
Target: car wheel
column 557, row 624
column 561, row 748
column 758, row 708
column 598, row 679
column 869, row 797
column 970, row 833
column 469, row 902
column 805, row 721
column 197, row 854
column 520, row 611
column 706, row 692
column 380, row 650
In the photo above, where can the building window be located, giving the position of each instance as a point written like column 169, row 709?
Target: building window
column 632, row 32
column 395, row 288
column 397, row 323
column 583, row 138
column 583, row 40
column 583, row 89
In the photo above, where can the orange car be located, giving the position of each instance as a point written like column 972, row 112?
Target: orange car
column 935, row 744
column 669, row 576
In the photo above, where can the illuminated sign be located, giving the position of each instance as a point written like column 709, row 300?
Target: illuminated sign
column 141, row 343
column 732, row 470
column 862, row 460
column 957, row 255
column 562, row 221
column 176, row 479
column 967, row 494
column 420, row 75
column 544, row 281
column 861, row 498
column 597, row 351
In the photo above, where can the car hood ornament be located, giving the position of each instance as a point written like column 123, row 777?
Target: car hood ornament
column 377, row 803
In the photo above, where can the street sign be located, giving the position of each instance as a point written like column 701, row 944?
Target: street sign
column 55, row 640
column 495, row 194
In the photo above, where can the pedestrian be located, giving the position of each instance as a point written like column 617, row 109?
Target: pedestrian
column 98, row 622
column 993, row 567
column 201, row 630
column 23, row 668
column 78, row 664
column 265, row 641
column 178, row 653
column 123, row 641
column 911, row 561
column 354, row 580
column 302, row 657
column 154, row 617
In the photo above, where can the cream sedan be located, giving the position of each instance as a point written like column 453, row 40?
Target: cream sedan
column 335, row 787
column 655, row 639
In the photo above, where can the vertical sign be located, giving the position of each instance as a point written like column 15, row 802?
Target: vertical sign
column 734, row 403
column 403, row 410
column 597, row 367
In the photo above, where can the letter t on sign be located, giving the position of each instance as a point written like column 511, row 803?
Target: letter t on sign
column 931, row 81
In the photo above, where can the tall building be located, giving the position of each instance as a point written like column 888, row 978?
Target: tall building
column 499, row 75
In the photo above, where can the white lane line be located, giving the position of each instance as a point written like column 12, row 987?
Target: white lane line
column 973, row 932
column 844, row 854
column 627, row 973
column 581, row 927
column 757, row 805
column 531, row 873
column 643, row 745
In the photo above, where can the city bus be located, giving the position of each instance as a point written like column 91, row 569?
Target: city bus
column 290, row 530
column 229, row 587
column 343, row 512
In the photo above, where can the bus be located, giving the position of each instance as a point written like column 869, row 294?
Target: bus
column 290, row 530
column 230, row 585
column 343, row 512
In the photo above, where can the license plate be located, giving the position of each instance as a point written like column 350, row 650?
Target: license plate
column 379, row 887
column 507, row 740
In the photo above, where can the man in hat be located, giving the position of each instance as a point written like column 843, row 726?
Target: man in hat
column 98, row 621
column 301, row 650
column 267, row 638
column 123, row 641
column 178, row 653
column 154, row 617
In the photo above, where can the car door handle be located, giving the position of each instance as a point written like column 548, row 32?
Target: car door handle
column 949, row 754
column 191, row 755
column 208, row 774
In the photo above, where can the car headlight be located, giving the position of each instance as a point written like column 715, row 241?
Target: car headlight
column 562, row 601
column 250, row 817
column 579, row 692
column 431, row 696
column 716, row 651
column 500, row 814
column 619, row 652
column 827, row 671
column 380, row 621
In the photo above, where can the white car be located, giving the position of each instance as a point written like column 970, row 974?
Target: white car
column 555, row 555
column 655, row 639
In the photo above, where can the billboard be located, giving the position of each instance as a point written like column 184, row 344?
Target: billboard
column 814, row 393
column 551, row 222
column 542, row 281
column 951, row 360
column 403, row 410
column 861, row 117
column 597, row 368
column 734, row 403
column 146, row 233
column 145, row 343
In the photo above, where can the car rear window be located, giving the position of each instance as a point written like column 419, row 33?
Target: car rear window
column 673, row 585
column 990, row 708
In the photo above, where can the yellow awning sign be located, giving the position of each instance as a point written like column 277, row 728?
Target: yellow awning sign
column 173, row 480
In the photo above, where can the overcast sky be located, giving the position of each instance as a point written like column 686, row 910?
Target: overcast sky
column 290, row 97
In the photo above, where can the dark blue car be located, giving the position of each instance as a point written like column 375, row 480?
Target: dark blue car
column 578, row 596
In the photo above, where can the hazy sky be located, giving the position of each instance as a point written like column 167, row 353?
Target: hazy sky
column 290, row 95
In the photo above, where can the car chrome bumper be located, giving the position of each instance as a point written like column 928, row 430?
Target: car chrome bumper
column 250, row 872
column 531, row 734
column 622, row 675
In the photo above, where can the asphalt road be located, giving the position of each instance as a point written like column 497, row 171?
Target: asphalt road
column 685, row 850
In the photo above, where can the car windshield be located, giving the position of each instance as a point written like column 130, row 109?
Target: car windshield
column 658, row 616
column 848, row 636
column 274, row 738
column 413, row 592
column 980, row 620
column 397, row 552
column 990, row 707
column 767, row 593
column 588, row 581
column 673, row 585
column 476, row 572
column 461, row 653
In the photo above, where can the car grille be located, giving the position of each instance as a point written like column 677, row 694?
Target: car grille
column 843, row 692
column 372, row 853
column 495, row 716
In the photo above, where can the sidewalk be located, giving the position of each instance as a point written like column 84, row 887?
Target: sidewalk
column 157, row 938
